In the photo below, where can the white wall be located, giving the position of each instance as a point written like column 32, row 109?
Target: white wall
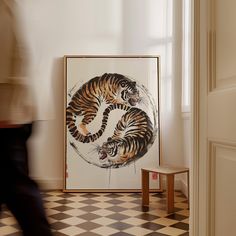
column 60, row 27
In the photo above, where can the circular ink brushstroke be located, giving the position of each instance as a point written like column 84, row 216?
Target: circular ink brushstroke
column 122, row 137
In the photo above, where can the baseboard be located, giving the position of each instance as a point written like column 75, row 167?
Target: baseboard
column 52, row 184
column 49, row 184
column 178, row 184
column 184, row 188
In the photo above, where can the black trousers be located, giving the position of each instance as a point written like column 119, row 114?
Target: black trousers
column 17, row 190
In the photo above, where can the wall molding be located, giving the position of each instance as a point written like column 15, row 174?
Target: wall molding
column 57, row 184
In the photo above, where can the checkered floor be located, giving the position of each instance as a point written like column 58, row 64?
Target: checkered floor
column 116, row 214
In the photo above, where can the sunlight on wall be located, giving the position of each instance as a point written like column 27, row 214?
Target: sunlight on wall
column 160, row 34
column 164, row 38
column 89, row 27
column 161, row 12
column 187, row 56
column 148, row 29
column 154, row 27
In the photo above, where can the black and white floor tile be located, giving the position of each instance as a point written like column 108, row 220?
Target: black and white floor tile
column 108, row 214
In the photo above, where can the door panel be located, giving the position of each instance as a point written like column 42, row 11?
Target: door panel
column 222, row 209
column 225, row 42
column 221, row 116
column 215, row 128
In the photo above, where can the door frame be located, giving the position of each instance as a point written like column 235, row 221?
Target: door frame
column 201, row 218
column 195, row 93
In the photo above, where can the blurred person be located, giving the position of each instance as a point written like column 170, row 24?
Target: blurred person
column 17, row 190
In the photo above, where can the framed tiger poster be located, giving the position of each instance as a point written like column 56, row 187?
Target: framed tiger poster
column 112, row 125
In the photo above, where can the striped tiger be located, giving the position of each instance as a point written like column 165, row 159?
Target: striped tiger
column 132, row 136
column 93, row 137
column 109, row 88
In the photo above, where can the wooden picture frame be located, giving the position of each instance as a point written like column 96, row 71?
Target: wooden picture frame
column 111, row 122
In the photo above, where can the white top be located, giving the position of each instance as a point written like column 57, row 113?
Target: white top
column 166, row 169
column 16, row 103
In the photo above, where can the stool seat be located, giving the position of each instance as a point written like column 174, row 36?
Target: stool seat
column 169, row 172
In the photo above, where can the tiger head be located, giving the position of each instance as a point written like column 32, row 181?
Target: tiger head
column 109, row 151
column 129, row 91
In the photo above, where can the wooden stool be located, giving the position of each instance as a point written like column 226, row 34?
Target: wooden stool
column 170, row 173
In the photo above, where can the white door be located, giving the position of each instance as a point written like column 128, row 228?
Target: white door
column 214, row 163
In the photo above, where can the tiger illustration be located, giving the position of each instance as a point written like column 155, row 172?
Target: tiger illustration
column 109, row 88
column 92, row 137
column 132, row 136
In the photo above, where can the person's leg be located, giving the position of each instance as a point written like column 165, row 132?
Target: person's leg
column 22, row 195
column 26, row 205
column 3, row 171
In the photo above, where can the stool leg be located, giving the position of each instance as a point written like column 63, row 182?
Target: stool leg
column 145, row 187
column 170, row 194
